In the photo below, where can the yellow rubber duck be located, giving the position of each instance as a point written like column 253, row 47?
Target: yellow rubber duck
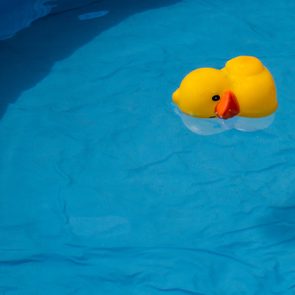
column 243, row 87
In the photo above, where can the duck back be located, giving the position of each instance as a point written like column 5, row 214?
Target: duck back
column 253, row 86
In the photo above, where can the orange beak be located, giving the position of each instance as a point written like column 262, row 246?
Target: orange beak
column 228, row 106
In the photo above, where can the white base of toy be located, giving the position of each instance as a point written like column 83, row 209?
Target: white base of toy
column 215, row 125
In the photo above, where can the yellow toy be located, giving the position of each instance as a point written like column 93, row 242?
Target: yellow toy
column 244, row 87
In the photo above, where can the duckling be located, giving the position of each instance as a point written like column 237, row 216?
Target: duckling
column 244, row 87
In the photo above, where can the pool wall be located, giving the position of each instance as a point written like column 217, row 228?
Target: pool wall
column 19, row 14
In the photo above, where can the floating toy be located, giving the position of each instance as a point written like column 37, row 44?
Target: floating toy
column 243, row 90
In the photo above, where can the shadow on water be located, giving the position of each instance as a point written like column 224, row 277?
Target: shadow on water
column 28, row 57
column 280, row 225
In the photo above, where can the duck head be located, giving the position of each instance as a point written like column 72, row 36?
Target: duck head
column 205, row 93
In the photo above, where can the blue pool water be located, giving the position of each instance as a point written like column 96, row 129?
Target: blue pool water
column 103, row 190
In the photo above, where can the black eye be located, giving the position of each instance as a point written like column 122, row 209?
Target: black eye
column 215, row 97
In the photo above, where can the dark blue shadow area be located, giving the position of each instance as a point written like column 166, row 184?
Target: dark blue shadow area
column 28, row 57
column 279, row 227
